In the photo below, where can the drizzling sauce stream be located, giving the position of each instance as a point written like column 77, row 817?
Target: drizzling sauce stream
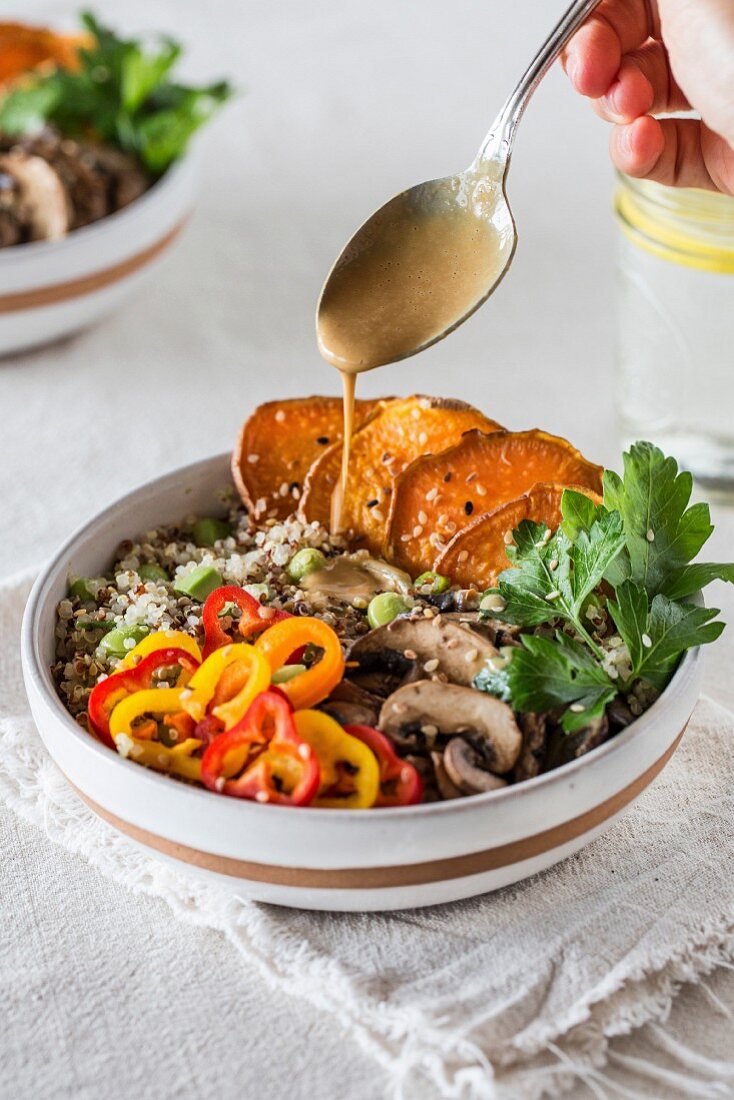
column 410, row 274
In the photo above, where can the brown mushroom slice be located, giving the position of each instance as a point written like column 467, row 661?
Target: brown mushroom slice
column 446, row 787
column 349, row 714
column 534, row 747
column 565, row 747
column 451, row 709
column 464, row 767
column 436, row 645
column 41, row 197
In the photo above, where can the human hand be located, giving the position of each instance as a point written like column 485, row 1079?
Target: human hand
column 640, row 58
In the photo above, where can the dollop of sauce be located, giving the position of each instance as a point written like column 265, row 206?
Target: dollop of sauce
column 349, row 579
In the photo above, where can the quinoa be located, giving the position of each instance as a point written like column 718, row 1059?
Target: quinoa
column 251, row 555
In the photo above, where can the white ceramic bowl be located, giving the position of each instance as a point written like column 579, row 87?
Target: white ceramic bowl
column 329, row 859
column 49, row 289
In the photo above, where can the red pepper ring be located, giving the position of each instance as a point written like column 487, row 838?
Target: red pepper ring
column 254, row 618
column 285, row 772
column 108, row 692
column 400, row 783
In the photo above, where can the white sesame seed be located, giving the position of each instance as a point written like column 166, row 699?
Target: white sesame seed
column 406, row 775
column 280, row 416
column 377, row 514
column 422, row 439
column 450, row 527
column 410, row 654
column 507, row 538
column 422, row 517
column 471, row 655
column 577, row 708
column 429, row 730
column 432, row 665
column 304, row 751
column 493, row 602
column 471, row 477
column 405, row 538
column 262, row 796
column 480, row 490
column 553, row 565
column 417, row 531
column 415, row 413
column 253, row 459
column 443, row 518
column 650, row 536
column 219, row 783
column 462, row 555
column 553, row 595
column 432, row 494
column 647, row 641
column 452, row 643
column 399, row 708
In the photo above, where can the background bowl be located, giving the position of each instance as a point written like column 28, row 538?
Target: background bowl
column 329, row 859
column 49, row 289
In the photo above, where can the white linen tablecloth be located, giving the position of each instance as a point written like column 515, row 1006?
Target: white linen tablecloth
column 105, row 992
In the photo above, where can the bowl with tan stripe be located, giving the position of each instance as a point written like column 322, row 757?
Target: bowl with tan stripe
column 329, row 859
column 50, row 289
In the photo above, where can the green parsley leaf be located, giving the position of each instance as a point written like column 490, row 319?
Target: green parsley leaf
column 690, row 579
column 579, row 512
column 662, row 533
column 547, row 674
column 657, row 636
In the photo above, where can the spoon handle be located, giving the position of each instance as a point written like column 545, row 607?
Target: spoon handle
column 499, row 141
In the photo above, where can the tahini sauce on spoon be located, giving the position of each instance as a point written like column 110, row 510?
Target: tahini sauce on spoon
column 410, row 274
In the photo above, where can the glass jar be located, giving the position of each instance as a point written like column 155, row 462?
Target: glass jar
column 676, row 325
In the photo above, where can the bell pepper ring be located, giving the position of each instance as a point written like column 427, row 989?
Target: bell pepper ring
column 350, row 774
column 279, row 767
column 158, row 702
column 313, row 685
column 245, row 672
column 254, row 616
column 400, row 783
column 161, row 639
column 108, row 692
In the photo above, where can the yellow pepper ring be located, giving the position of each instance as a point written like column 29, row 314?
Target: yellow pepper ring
column 203, row 684
column 333, row 745
column 161, row 639
column 178, row 760
column 282, row 639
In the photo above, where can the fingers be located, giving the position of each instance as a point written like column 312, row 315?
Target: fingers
column 593, row 56
column 676, row 152
column 644, row 85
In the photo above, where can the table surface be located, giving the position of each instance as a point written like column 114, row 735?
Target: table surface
column 342, row 104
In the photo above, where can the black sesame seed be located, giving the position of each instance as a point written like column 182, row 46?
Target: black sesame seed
column 468, row 507
column 372, row 503
column 323, row 440
column 447, row 477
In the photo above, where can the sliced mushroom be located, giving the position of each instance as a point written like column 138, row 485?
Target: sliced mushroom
column 349, row 714
column 532, row 757
column 465, row 769
column 488, row 724
column 565, row 747
column 460, row 653
column 447, row 789
column 619, row 714
column 40, row 198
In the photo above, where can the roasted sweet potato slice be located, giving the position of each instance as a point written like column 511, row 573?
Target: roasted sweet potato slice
column 437, row 494
column 279, row 442
column 381, row 449
column 23, row 48
column 478, row 554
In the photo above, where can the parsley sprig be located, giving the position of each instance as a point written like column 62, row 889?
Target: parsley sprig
column 121, row 94
column 631, row 556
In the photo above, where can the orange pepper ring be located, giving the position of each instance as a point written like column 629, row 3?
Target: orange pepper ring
column 279, row 641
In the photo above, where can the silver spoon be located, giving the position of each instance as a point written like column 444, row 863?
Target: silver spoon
column 428, row 258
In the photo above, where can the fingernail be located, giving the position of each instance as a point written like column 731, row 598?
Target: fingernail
column 611, row 100
column 625, row 139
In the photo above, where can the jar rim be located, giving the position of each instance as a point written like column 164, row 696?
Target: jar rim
column 705, row 207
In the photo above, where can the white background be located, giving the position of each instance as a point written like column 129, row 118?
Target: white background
column 342, row 104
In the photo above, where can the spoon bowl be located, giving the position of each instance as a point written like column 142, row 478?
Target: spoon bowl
column 427, row 259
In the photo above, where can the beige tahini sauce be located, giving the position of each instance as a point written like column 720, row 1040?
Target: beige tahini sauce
column 409, row 274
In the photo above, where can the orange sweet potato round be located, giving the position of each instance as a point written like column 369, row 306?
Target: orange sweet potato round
column 392, row 437
column 478, row 554
column 438, row 494
column 23, row 48
column 278, row 443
